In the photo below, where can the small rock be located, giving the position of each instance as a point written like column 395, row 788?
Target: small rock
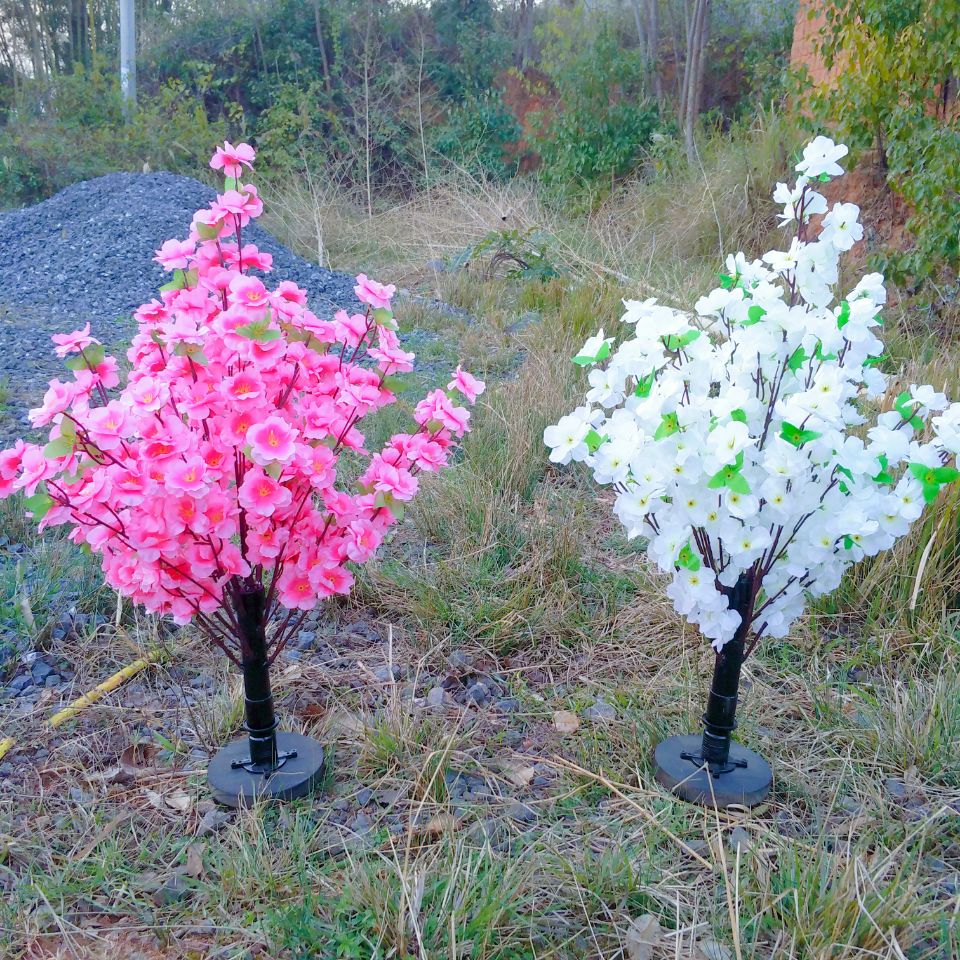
column 896, row 789
column 508, row 705
column 478, row 693
column 858, row 675
column 52, row 681
column 460, row 660
column 19, row 683
column 521, row 812
column 212, row 822
column 600, row 710
column 362, row 823
column 699, row 846
column 78, row 796
column 363, row 796
column 41, row 671
column 435, row 697
column 935, row 864
column 739, row 840
column 172, row 890
column 387, row 674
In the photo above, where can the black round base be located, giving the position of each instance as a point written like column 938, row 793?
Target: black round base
column 745, row 785
column 237, row 787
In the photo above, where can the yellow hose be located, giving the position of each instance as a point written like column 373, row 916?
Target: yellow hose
column 92, row 696
column 111, row 683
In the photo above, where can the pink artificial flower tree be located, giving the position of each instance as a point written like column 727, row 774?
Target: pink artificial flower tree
column 208, row 484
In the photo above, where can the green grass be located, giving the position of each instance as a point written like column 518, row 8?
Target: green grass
column 521, row 566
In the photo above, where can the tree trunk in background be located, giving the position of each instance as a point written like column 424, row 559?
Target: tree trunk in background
column 525, row 34
column 322, row 45
column 653, row 47
column 691, row 93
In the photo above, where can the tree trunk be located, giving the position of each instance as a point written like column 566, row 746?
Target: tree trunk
column 525, row 34
column 321, row 43
column 653, row 47
column 692, row 92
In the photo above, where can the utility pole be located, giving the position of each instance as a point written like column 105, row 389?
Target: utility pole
column 128, row 55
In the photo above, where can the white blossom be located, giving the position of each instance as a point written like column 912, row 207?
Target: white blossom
column 757, row 436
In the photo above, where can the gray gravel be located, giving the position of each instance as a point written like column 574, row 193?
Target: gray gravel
column 87, row 254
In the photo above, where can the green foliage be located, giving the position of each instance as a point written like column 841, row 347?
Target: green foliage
column 72, row 128
column 900, row 61
column 602, row 122
column 478, row 135
column 524, row 253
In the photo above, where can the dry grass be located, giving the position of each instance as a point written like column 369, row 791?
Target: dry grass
column 521, row 568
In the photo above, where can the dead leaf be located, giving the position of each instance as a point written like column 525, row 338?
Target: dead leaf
column 565, row 721
column 178, row 800
column 440, row 823
column 516, row 772
column 194, row 865
column 137, row 759
column 712, row 950
column 643, row 935
column 155, row 799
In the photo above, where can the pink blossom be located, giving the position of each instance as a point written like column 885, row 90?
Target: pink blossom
column 261, row 495
column 218, row 457
column 187, row 476
column 55, row 401
column 296, row 591
column 72, row 342
column 248, row 292
column 467, row 384
column 149, row 393
column 175, row 254
column 107, row 426
column 232, row 159
column 271, row 441
column 373, row 293
column 243, row 388
column 362, row 540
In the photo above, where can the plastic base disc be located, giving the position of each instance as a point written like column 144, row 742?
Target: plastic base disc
column 298, row 776
column 745, row 786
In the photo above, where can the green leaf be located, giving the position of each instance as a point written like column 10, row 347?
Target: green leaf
column 739, row 415
column 39, row 505
column 594, row 441
column 754, row 315
column 230, row 183
column 61, row 447
column 726, row 281
column 384, row 318
column 274, row 469
column 260, row 331
column 178, row 282
column 738, row 484
column 91, row 357
column 208, row 232
column 821, row 356
column 874, row 361
column 796, row 436
column 884, row 476
column 843, row 317
column 645, row 385
column 797, row 359
column 674, row 343
column 730, row 477
column 689, row 559
column 669, row 425
column 584, row 360
column 848, row 543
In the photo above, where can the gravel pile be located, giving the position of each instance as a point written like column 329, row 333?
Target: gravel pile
column 87, row 254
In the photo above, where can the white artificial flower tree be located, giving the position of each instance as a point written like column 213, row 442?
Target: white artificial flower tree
column 756, row 443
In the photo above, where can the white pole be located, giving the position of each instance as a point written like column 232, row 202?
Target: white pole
column 128, row 54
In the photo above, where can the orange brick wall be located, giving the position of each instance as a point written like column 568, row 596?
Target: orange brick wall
column 810, row 20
